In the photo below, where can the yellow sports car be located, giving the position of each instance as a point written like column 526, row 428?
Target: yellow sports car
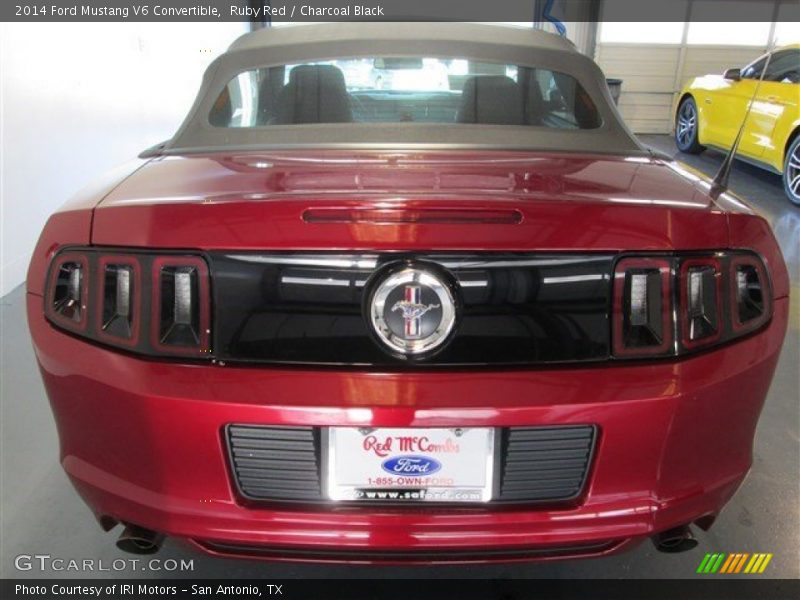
column 711, row 109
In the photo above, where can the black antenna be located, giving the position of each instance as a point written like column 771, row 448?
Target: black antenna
column 720, row 182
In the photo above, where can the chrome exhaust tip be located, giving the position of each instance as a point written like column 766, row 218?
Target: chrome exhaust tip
column 678, row 539
column 138, row 540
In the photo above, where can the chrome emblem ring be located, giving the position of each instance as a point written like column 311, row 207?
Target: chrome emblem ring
column 412, row 311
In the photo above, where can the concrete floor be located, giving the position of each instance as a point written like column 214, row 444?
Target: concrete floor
column 41, row 514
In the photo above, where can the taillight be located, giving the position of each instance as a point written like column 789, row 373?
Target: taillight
column 180, row 320
column 700, row 301
column 671, row 305
column 643, row 302
column 750, row 294
column 159, row 303
column 144, row 303
column 119, row 310
column 68, row 281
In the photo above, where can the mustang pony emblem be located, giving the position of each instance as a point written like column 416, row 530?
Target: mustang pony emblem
column 413, row 310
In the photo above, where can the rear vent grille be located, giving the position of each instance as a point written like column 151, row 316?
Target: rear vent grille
column 537, row 464
column 545, row 463
column 276, row 463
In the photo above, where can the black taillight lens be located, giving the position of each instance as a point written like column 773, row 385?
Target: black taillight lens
column 670, row 305
column 109, row 297
column 750, row 295
column 67, row 301
column 643, row 305
column 700, row 283
column 119, row 299
column 117, row 292
column 68, row 296
column 180, row 321
column 701, row 303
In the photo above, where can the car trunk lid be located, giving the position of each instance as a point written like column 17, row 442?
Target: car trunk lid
column 499, row 201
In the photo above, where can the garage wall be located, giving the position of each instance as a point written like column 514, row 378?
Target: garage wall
column 654, row 60
column 653, row 75
column 78, row 100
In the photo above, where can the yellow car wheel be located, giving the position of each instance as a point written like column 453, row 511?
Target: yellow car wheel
column 791, row 171
column 686, row 127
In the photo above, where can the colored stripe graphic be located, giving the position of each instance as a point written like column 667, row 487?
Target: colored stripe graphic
column 727, row 564
column 718, row 563
column 734, row 562
column 730, row 564
column 737, row 562
column 703, row 563
column 764, row 564
column 741, row 562
column 711, row 563
column 755, row 560
column 758, row 563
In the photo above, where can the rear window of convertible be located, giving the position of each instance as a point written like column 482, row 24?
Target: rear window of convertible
column 404, row 90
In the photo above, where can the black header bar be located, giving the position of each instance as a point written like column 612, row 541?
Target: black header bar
column 525, row 11
column 701, row 587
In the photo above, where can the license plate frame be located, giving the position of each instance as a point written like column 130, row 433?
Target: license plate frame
column 481, row 444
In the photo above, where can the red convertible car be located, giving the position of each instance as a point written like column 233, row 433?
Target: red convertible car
column 334, row 322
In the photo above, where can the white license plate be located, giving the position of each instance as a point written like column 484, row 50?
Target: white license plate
column 410, row 465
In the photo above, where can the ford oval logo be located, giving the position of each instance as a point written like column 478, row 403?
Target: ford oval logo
column 411, row 465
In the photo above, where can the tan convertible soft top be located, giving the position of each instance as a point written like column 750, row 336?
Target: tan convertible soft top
column 485, row 43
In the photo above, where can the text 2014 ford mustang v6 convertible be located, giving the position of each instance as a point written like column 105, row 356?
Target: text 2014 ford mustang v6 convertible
column 332, row 319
